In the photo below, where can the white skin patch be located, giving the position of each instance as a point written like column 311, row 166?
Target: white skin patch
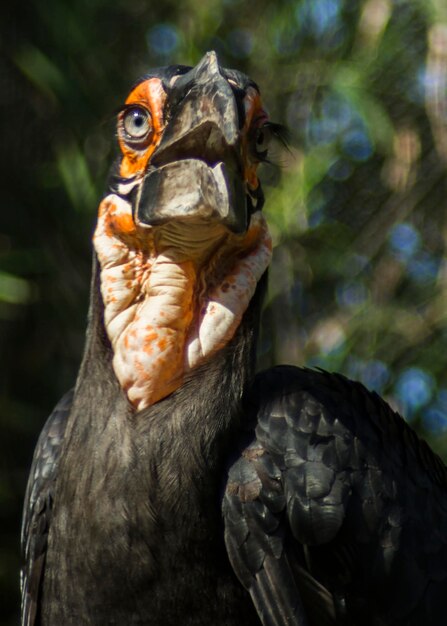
column 225, row 305
column 158, row 327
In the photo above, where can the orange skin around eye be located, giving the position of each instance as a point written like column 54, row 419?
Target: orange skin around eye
column 151, row 95
column 255, row 117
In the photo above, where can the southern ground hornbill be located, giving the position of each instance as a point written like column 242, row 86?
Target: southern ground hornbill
column 173, row 486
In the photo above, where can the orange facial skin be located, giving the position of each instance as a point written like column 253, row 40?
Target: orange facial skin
column 255, row 117
column 174, row 294
column 150, row 95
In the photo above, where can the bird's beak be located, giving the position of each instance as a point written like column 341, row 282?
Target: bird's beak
column 196, row 170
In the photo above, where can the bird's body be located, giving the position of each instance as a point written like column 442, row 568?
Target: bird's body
column 147, row 494
column 210, row 496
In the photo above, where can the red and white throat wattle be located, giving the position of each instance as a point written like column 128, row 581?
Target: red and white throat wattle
column 173, row 295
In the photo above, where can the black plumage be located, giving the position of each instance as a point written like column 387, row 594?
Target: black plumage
column 137, row 531
column 294, row 497
column 336, row 488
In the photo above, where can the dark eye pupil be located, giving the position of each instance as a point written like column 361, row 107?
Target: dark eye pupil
column 260, row 137
column 136, row 124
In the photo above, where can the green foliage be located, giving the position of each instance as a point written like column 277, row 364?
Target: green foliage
column 356, row 207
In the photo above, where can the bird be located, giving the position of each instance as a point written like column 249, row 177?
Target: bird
column 176, row 484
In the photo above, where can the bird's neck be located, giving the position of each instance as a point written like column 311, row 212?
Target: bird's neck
column 210, row 395
column 170, row 447
column 174, row 294
column 152, row 474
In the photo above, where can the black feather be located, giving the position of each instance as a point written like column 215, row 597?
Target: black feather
column 359, row 487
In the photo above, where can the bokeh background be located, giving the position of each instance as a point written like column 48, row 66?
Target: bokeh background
column 357, row 206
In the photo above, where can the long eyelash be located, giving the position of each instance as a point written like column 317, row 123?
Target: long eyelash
column 282, row 134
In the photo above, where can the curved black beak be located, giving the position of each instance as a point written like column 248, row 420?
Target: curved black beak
column 196, row 171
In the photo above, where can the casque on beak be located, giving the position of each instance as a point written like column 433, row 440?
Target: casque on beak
column 196, row 171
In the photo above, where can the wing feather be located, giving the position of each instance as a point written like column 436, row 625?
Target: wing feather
column 37, row 508
column 326, row 507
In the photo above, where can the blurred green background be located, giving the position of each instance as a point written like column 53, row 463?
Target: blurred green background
column 357, row 209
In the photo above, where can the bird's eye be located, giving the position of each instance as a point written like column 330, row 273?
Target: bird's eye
column 262, row 139
column 136, row 123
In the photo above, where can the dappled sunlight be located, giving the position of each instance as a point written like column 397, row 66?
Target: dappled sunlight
column 435, row 83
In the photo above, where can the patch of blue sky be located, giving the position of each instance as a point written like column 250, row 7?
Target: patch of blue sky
column 163, row 39
column 414, row 389
column 404, row 241
column 319, row 16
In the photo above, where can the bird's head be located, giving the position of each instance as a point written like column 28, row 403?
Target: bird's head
column 181, row 239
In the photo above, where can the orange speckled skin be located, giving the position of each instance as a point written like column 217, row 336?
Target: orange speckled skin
column 158, row 325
